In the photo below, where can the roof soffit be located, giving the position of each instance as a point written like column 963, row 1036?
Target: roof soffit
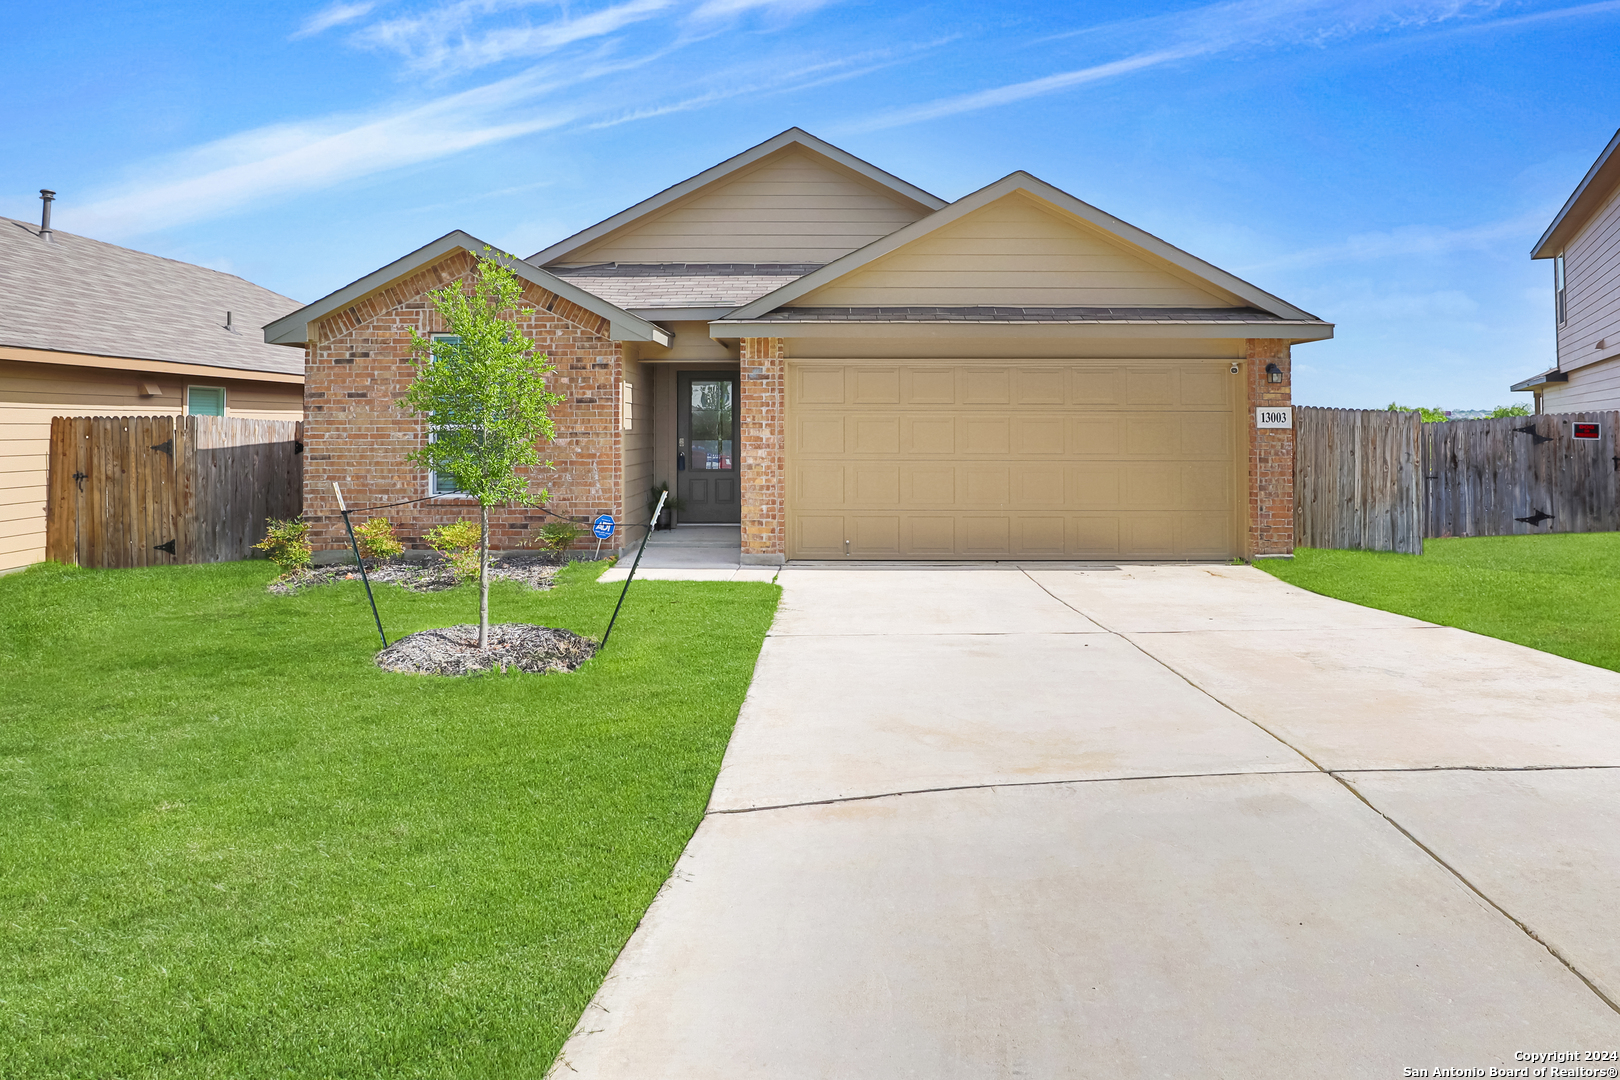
column 731, row 168
column 293, row 329
column 1589, row 196
column 1137, row 241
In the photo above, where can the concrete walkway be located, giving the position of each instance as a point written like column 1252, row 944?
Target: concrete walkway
column 1154, row 821
column 690, row 553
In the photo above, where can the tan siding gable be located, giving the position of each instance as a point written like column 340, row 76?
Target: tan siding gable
column 792, row 207
column 1015, row 251
column 1592, row 271
column 1594, row 386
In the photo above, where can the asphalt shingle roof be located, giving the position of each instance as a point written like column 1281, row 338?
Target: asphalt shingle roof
column 997, row 314
column 74, row 294
column 682, row 285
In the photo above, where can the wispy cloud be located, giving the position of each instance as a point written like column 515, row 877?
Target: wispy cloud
column 1206, row 31
column 448, row 39
column 334, row 15
column 1417, row 241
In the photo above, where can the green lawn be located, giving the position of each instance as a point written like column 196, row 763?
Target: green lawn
column 231, row 847
column 1558, row 593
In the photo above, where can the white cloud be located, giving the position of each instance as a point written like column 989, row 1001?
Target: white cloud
column 1214, row 28
column 332, row 15
column 1418, row 241
column 446, row 39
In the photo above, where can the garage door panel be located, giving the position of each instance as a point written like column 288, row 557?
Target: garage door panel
column 875, row 537
column 985, row 486
column 928, row 386
column 1094, row 386
column 818, row 386
column 1018, row 460
column 1096, row 436
column 877, row 386
column 1040, row 435
column 928, row 486
column 1038, row 487
column 818, row 435
column 1092, row 486
column 877, row 485
column 1094, row 537
column 986, row 386
column 1037, row 537
column 986, row 537
column 1207, row 486
column 876, row 434
column 820, row 486
column 1040, row 386
column 1151, row 387
column 818, row 536
column 986, row 434
column 1209, row 388
column 929, row 536
column 922, row 435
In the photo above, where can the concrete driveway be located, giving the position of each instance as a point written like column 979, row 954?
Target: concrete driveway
column 1155, row 821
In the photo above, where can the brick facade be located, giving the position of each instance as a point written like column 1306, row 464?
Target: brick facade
column 358, row 366
column 1271, row 453
column 763, row 419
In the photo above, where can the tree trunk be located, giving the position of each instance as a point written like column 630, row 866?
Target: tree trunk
column 483, row 576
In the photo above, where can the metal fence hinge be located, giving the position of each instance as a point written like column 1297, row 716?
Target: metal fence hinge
column 1536, row 517
column 1536, row 437
column 167, row 546
column 80, row 477
column 167, row 446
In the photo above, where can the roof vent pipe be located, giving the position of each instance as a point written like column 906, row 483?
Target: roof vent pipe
column 46, row 195
column 228, row 321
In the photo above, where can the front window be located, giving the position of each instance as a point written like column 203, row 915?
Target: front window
column 1558, row 289
column 442, row 483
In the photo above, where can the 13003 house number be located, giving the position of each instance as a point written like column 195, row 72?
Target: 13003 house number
column 1274, row 418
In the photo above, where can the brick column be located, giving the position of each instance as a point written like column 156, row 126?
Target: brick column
column 763, row 418
column 1271, row 453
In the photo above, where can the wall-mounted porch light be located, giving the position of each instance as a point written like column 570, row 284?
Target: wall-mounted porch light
column 1273, row 373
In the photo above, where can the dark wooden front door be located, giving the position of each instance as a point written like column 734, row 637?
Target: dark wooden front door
column 706, row 451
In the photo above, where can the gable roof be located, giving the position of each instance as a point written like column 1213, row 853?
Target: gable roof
column 293, row 329
column 72, row 294
column 1172, row 258
column 1588, row 198
column 789, row 139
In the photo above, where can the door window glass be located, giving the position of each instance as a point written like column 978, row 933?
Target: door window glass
column 711, row 424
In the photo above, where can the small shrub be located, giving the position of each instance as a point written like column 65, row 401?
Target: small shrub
column 1509, row 410
column 559, row 536
column 377, row 540
column 458, row 543
column 287, row 544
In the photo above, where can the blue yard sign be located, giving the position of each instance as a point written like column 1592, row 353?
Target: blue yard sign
column 603, row 526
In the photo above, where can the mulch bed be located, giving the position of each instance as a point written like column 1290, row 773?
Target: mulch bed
column 531, row 568
column 512, row 646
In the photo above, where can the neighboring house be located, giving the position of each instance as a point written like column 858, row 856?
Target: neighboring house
column 849, row 367
column 1583, row 245
column 91, row 329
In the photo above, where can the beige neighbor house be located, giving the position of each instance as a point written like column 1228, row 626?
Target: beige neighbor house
column 1583, row 245
column 846, row 366
column 92, row 329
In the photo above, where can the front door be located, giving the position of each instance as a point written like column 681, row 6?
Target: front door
column 706, row 466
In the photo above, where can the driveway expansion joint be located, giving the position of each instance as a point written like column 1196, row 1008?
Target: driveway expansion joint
column 1350, row 787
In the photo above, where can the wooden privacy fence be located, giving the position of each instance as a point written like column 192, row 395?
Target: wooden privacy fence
column 161, row 490
column 1357, row 480
column 1520, row 474
column 1383, row 481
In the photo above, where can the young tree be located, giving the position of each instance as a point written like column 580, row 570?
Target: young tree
column 482, row 389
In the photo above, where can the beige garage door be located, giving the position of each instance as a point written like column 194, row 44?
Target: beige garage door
column 985, row 460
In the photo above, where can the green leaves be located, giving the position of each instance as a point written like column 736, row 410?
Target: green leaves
column 482, row 388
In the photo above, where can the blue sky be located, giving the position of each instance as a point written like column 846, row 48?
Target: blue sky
column 1386, row 164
